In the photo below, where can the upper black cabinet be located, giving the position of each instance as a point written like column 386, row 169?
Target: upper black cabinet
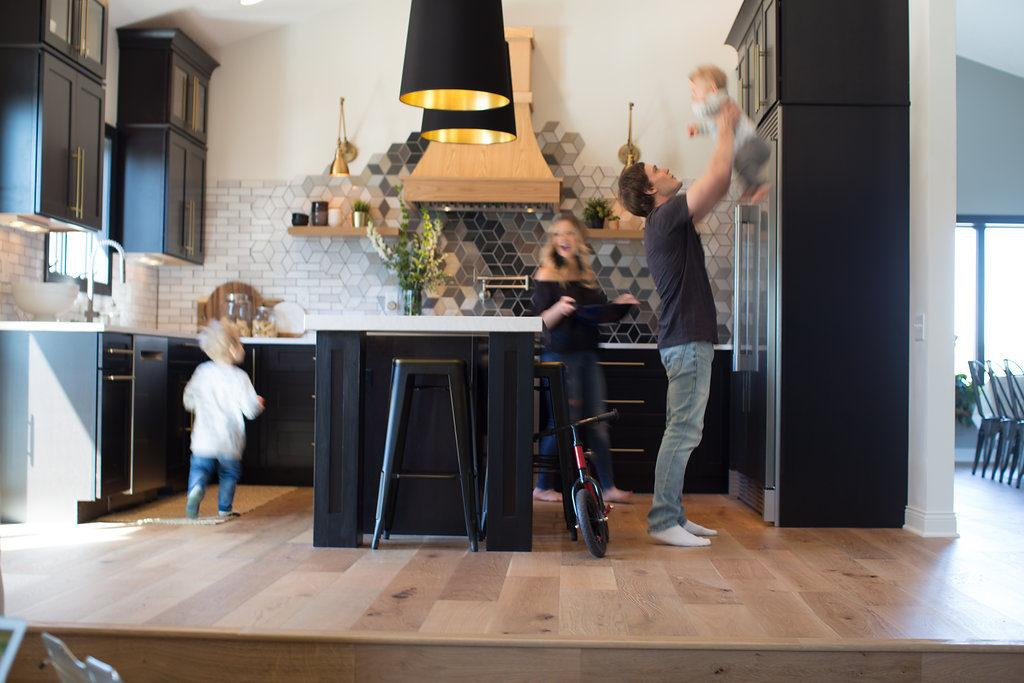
column 163, row 91
column 76, row 29
column 164, row 175
column 51, row 163
column 835, row 52
column 164, row 79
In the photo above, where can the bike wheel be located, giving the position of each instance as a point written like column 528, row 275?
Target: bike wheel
column 593, row 526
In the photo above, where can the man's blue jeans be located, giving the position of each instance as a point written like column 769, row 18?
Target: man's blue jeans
column 201, row 470
column 689, row 380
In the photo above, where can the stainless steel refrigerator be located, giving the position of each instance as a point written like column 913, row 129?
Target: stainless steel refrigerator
column 753, row 445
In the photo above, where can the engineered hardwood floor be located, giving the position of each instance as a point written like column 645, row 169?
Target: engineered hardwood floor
column 755, row 583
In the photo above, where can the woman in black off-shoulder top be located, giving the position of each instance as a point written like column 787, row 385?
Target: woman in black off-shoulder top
column 564, row 282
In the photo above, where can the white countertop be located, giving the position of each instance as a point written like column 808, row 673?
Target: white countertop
column 653, row 347
column 98, row 327
column 423, row 324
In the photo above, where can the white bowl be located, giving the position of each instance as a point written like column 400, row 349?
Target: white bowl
column 44, row 300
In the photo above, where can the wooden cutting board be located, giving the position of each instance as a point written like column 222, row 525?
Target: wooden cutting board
column 215, row 307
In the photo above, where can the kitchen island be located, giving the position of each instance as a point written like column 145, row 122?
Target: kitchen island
column 353, row 355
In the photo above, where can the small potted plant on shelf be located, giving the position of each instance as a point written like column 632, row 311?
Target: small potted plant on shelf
column 415, row 258
column 360, row 213
column 597, row 211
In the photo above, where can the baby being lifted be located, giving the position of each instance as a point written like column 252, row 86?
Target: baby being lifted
column 750, row 151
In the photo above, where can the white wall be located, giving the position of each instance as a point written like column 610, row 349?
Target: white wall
column 932, row 218
column 990, row 140
column 274, row 99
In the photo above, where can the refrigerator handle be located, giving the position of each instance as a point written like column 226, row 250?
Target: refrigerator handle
column 737, row 237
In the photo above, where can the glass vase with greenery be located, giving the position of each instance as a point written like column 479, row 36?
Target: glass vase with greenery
column 414, row 258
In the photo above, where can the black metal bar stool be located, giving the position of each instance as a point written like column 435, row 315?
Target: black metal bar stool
column 551, row 385
column 404, row 373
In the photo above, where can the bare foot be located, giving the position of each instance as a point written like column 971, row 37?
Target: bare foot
column 547, row 495
column 617, row 495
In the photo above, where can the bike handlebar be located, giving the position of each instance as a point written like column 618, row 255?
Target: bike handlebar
column 610, row 416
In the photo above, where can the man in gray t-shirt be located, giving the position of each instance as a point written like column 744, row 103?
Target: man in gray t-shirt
column 687, row 329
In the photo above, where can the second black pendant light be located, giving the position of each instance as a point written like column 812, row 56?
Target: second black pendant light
column 456, row 58
column 472, row 127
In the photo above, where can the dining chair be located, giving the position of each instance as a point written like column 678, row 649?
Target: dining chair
column 1015, row 379
column 991, row 423
column 1012, row 425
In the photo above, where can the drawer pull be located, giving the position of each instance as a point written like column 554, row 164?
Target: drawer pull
column 621, row 363
column 119, row 352
column 119, row 378
column 627, row 450
column 625, row 401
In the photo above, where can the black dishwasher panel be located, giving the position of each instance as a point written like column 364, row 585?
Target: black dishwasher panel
column 149, row 440
column 115, row 380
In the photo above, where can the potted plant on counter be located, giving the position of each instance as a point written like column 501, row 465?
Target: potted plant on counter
column 360, row 213
column 596, row 212
column 415, row 258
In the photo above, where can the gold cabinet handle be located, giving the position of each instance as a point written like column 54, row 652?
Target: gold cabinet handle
column 621, row 363
column 763, row 76
column 195, row 104
column 119, row 378
column 83, row 27
column 81, row 180
column 120, row 352
column 626, row 450
column 78, row 172
column 625, row 402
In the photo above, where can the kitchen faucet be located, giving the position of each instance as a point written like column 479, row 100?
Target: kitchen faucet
column 96, row 246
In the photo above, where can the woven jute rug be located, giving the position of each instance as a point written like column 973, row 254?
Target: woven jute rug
column 171, row 509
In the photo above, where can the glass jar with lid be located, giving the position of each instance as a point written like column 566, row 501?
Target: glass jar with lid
column 264, row 324
column 239, row 311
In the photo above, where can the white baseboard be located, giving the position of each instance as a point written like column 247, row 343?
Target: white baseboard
column 930, row 524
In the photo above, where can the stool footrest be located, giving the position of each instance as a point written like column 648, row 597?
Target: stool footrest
column 424, row 475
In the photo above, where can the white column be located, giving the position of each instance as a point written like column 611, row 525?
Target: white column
column 932, row 222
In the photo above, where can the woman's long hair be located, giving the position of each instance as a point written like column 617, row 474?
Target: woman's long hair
column 563, row 269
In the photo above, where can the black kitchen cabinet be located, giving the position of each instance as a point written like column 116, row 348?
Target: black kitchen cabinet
column 637, row 388
column 52, row 113
column 164, row 79
column 162, row 113
column 163, row 196
column 183, row 357
column 279, row 443
column 822, row 291
column 74, row 29
column 831, row 52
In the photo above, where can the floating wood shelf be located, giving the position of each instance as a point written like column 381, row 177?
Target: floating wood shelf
column 605, row 234
column 327, row 231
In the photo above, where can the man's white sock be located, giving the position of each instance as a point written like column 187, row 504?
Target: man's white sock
column 678, row 536
column 698, row 530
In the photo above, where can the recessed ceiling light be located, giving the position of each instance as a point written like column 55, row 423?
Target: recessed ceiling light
column 246, row 3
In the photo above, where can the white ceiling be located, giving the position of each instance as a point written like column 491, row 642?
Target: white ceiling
column 988, row 31
column 215, row 23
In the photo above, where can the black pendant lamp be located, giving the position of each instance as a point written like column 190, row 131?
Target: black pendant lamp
column 455, row 56
column 472, row 127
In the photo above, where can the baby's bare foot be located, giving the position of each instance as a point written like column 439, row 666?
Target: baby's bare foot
column 547, row 495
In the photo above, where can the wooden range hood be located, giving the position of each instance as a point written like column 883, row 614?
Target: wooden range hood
column 500, row 176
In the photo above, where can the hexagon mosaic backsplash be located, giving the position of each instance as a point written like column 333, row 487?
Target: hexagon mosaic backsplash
column 247, row 240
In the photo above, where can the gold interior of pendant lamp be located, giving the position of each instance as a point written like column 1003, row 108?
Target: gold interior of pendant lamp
column 454, row 99
column 345, row 150
column 469, row 136
column 629, row 153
